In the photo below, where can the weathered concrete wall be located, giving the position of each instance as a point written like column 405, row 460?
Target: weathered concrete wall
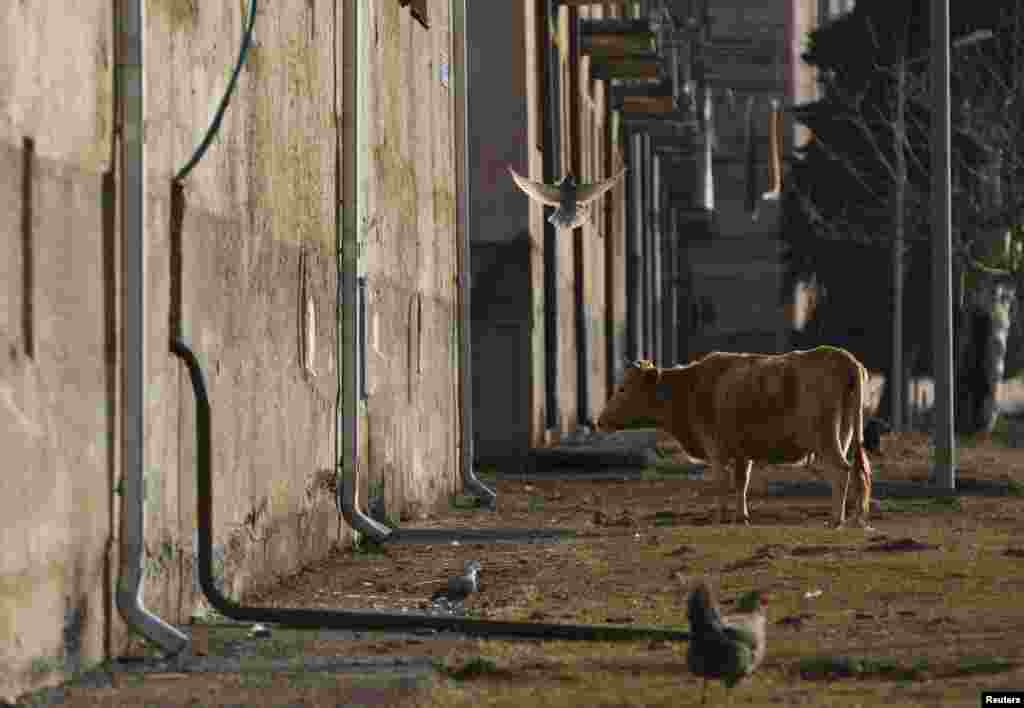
column 56, row 379
column 411, row 261
column 253, row 267
column 508, row 234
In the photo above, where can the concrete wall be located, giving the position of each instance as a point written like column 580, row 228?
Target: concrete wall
column 57, row 425
column 503, row 250
column 508, row 234
column 411, row 417
column 738, row 271
column 253, row 258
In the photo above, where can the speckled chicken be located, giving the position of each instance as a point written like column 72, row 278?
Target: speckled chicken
column 726, row 648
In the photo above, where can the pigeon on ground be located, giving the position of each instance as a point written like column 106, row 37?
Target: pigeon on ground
column 460, row 587
column 570, row 199
column 727, row 648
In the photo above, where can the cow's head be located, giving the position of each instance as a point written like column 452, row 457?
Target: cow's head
column 637, row 401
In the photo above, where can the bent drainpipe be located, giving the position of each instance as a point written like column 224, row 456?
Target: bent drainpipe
column 360, row 619
column 460, row 59
column 348, row 208
column 129, row 582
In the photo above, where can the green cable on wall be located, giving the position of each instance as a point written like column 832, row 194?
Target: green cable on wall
column 211, row 131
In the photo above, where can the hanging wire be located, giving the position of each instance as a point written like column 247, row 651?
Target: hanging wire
column 211, row 131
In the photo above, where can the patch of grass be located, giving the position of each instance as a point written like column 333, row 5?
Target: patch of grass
column 1001, row 432
column 921, row 506
column 535, row 503
column 665, row 518
column 465, row 501
column 650, row 474
column 366, row 546
column 667, row 468
column 490, row 471
column 831, row 666
column 273, row 648
column 311, row 679
column 675, row 468
column 475, row 667
column 257, row 678
column 970, row 665
column 44, row 665
column 1014, row 488
column 134, row 680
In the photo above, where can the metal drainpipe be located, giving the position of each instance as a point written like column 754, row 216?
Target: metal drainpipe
column 612, row 273
column 460, row 59
column 648, row 258
column 581, row 314
column 551, row 157
column 129, row 584
column 634, row 248
column 348, row 216
column 657, row 279
column 670, row 302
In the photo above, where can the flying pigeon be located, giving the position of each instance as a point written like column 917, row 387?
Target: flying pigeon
column 570, row 198
column 460, row 586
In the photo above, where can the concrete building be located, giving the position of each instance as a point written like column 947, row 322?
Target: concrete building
column 683, row 257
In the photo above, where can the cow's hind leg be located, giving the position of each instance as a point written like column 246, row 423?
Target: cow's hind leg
column 862, row 465
column 741, row 481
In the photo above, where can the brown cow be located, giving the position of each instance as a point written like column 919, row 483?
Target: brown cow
column 737, row 408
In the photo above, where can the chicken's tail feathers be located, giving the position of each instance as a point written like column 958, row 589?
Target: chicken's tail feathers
column 702, row 611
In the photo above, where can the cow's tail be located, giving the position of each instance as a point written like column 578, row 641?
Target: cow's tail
column 859, row 455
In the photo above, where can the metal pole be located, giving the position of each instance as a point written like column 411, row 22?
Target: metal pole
column 130, row 581
column 632, row 247
column 348, row 213
column 657, row 277
column 897, row 384
column 944, row 471
column 552, row 173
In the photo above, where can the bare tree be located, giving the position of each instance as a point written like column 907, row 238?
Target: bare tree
column 866, row 178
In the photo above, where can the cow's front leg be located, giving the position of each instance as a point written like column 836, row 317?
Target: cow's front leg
column 724, row 479
column 840, row 488
column 741, row 481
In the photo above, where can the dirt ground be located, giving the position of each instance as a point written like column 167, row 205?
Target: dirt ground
column 926, row 605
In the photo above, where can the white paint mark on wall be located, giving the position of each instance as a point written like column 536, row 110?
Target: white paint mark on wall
column 310, row 337
column 376, row 333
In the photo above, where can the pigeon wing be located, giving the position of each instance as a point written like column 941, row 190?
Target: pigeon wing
column 543, row 193
column 589, row 192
